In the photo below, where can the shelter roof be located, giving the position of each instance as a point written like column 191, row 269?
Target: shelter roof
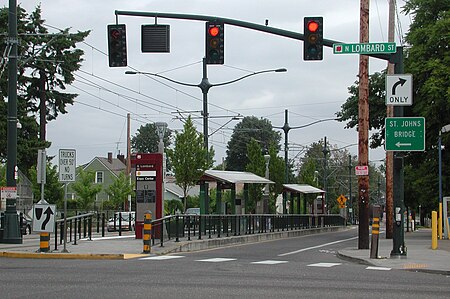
column 302, row 188
column 234, row 177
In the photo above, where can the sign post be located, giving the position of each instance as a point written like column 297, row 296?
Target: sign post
column 67, row 168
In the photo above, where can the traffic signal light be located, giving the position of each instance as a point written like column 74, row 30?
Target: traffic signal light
column 215, row 43
column 313, row 38
column 117, row 45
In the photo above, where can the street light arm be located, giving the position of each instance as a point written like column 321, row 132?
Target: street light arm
column 249, row 75
column 160, row 76
column 313, row 123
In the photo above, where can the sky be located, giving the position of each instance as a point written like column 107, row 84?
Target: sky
column 309, row 90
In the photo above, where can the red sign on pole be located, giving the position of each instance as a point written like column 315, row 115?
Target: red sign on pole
column 362, row 170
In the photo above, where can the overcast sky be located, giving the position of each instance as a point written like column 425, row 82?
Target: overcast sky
column 96, row 123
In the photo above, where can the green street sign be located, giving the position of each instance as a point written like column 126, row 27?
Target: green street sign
column 364, row 48
column 404, row 133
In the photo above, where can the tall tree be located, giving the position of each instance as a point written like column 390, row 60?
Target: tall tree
column 45, row 66
column 146, row 139
column 85, row 189
column 428, row 59
column 188, row 158
column 250, row 127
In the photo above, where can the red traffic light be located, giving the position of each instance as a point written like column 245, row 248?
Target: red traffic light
column 214, row 31
column 313, row 26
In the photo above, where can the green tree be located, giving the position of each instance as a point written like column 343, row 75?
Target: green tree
column 428, row 59
column 119, row 190
column 250, row 127
column 256, row 165
column 377, row 104
column 53, row 189
column 47, row 60
column 146, row 139
column 85, row 189
column 188, row 158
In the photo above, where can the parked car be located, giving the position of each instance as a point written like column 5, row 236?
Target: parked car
column 25, row 225
column 192, row 213
column 125, row 222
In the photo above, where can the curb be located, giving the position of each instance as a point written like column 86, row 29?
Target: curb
column 70, row 256
column 367, row 263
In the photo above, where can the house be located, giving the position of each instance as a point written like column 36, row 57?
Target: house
column 106, row 171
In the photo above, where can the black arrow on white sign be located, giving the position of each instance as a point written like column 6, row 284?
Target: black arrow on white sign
column 399, row 82
column 48, row 214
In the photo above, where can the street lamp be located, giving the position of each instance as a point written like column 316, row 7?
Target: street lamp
column 286, row 128
column 444, row 129
column 205, row 85
column 161, row 131
column 325, row 152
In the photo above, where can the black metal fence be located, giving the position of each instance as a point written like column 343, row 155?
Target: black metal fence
column 217, row 226
column 187, row 227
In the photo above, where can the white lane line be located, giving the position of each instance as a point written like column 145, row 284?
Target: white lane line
column 378, row 268
column 318, row 246
column 110, row 238
column 216, row 260
column 162, row 257
column 269, row 262
column 324, row 265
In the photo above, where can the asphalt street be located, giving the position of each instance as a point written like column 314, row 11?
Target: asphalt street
column 302, row 267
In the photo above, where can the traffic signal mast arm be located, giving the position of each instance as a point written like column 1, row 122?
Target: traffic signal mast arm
column 392, row 58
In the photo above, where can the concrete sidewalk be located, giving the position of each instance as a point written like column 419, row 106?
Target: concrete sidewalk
column 419, row 257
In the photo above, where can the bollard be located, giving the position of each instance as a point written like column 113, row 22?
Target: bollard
column 434, row 230
column 147, row 235
column 44, row 242
column 375, row 232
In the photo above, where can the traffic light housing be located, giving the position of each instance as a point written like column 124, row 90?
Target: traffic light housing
column 117, row 45
column 313, row 38
column 215, row 43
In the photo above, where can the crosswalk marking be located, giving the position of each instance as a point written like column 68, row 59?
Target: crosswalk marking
column 378, row 268
column 324, row 265
column 216, row 260
column 269, row 262
column 162, row 257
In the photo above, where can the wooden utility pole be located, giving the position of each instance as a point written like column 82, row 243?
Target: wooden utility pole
column 390, row 154
column 363, row 129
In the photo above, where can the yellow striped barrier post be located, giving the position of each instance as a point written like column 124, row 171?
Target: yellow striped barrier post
column 434, row 230
column 44, row 242
column 147, row 235
column 375, row 232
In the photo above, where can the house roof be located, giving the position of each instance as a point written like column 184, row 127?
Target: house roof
column 178, row 191
column 116, row 166
column 234, row 177
column 302, row 188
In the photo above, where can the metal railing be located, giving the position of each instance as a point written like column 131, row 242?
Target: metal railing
column 217, row 226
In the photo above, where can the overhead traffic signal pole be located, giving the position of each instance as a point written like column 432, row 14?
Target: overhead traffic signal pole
column 395, row 58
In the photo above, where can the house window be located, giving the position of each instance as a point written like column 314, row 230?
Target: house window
column 99, row 177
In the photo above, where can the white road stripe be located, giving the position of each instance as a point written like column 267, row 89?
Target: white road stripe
column 269, row 262
column 324, row 265
column 216, row 260
column 162, row 257
column 318, row 246
column 378, row 268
